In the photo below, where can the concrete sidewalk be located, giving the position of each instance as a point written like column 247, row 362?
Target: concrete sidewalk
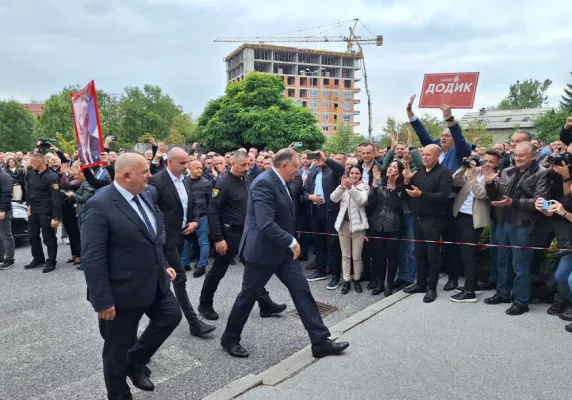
column 439, row 351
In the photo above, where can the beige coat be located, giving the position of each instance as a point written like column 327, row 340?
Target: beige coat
column 472, row 180
column 353, row 201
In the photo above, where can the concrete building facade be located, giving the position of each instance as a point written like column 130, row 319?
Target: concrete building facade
column 322, row 81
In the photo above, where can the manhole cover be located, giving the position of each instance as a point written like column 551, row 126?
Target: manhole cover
column 323, row 308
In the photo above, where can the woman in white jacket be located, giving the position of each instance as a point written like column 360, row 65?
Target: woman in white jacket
column 351, row 224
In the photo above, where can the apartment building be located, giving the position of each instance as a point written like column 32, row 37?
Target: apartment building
column 322, row 81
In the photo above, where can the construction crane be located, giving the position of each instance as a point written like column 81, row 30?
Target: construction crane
column 319, row 37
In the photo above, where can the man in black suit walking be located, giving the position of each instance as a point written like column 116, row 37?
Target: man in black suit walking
column 127, row 275
column 176, row 202
column 269, row 247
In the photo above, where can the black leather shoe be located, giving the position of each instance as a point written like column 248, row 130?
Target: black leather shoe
column 558, row 307
column 371, row 284
column 141, row 380
column 357, row 287
column 49, row 266
column 377, row 290
column 199, row 272
column 568, row 328
column 346, row 287
column 496, row 299
column 199, row 329
column 430, row 296
column 566, row 315
column 234, row 349
column 208, row 312
column 328, row 348
column 35, row 264
column 517, row 309
column 451, row 285
column 271, row 309
column 416, row 288
column 388, row 291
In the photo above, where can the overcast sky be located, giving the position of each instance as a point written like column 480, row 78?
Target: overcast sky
column 46, row 45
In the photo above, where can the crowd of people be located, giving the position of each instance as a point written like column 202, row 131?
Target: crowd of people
column 372, row 215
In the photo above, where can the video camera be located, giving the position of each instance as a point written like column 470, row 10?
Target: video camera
column 467, row 161
column 45, row 143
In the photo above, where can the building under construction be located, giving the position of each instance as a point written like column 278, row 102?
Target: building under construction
column 323, row 81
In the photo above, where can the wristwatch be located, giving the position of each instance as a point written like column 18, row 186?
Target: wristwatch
column 567, row 179
column 450, row 119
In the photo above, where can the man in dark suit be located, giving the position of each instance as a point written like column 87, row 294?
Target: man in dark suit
column 127, row 275
column 269, row 247
column 176, row 201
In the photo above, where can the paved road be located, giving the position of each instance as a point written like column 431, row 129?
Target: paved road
column 50, row 347
column 414, row 351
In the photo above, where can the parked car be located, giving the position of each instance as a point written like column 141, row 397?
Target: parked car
column 19, row 221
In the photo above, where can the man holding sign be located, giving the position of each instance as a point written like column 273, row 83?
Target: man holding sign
column 453, row 148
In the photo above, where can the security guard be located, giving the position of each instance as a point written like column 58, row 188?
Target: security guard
column 44, row 212
column 226, row 214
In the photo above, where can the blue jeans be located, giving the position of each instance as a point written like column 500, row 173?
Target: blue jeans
column 407, row 257
column 563, row 275
column 507, row 234
column 203, row 237
column 494, row 252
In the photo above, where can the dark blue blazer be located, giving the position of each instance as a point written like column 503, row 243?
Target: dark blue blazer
column 270, row 223
column 123, row 264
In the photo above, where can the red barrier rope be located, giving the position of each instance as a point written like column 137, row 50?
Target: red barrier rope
column 505, row 246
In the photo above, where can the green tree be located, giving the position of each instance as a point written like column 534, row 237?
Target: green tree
column 547, row 127
column 147, row 111
column 433, row 125
column 567, row 97
column 183, row 125
column 342, row 141
column 478, row 129
column 67, row 146
column 57, row 116
column 16, row 127
column 254, row 112
column 526, row 94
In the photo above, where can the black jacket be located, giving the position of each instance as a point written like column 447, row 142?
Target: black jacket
column 43, row 193
column 369, row 209
column 435, row 185
column 296, row 187
column 202, row 190
column 19, row 177
column 331, row 177
column 170, row 205
column 6, row 187
column 386, row 206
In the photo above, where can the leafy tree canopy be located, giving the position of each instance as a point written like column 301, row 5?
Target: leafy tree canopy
column 526, row 94
column 547, row 127
column 567, row 97
column 254, row 112
column 16, row 127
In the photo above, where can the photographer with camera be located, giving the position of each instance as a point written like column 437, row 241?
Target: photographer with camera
column 515, row 192
column 471, row 210
column 563, row 273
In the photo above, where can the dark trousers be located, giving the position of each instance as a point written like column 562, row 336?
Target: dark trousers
column 543, row 234
column 304, row 239
column 452, row 251
column 173, row 256
column 218, row 271
column 290, row 274
column 328, row 251
column 428, row 254
column 41, row 223
column 123, row 352
column 468, row 234
column 69, row 220
column 384, row 255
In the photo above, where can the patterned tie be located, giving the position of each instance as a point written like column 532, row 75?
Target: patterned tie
column 145, row 217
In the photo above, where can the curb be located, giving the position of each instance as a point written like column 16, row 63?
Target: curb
column 302, row 358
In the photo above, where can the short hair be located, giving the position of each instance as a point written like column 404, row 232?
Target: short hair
column 525, row 133
column 283, row 156
column 530, row 146
column 352, row 161
column 237, row 155
column 306, row 151
column 365, row 144
column 493, row 153
column 269, row 157
column 38, row 156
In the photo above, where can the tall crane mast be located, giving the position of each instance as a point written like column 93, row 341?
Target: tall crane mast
column 349, row 40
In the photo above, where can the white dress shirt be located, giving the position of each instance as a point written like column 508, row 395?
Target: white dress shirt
column 294, row 241
column 183, row 196
column 129, row 197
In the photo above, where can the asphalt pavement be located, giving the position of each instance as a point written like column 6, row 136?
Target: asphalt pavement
column 438, row 351
column 50, row 346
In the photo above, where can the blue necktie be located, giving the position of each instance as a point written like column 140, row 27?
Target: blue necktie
column 145, row 216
